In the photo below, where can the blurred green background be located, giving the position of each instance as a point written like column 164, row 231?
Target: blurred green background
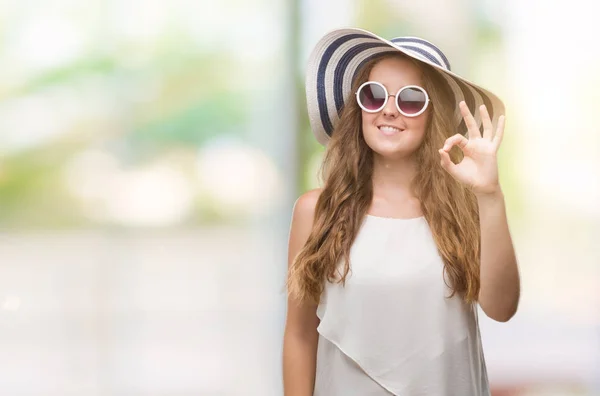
column 151, row 152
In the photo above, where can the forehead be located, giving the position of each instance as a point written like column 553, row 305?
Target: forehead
column 395, row 73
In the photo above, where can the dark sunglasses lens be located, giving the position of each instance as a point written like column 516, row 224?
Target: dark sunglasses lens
column 411, row 100
column 372, row 97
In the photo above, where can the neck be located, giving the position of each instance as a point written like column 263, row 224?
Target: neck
column 393, row 177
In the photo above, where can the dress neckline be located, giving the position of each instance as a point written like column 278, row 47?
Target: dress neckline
column 396, row 219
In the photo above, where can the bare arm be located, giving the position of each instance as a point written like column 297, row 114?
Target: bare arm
column 300, row 335
column 500, row 281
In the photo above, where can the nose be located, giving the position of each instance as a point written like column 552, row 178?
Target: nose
column 390, row 109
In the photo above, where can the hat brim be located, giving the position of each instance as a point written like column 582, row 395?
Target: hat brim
column 338, row 56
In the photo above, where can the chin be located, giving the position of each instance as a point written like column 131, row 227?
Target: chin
column 393, row 154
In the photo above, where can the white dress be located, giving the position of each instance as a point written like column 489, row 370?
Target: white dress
column 391, row 330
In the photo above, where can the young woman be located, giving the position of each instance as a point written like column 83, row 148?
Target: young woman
column 389, row 260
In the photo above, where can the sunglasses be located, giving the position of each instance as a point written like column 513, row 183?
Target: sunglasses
column 411, row 100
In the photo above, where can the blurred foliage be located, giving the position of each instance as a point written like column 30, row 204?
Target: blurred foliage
column 188, row 104
column 80, row 69
column 31, row 190
column 193, row 124
column 169, row 96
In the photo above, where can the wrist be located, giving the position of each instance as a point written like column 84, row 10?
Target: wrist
column 491, row 194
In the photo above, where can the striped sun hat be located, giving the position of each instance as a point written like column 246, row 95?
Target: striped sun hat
column 338, row 56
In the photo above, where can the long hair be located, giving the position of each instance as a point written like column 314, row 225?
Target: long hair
column 347, row 169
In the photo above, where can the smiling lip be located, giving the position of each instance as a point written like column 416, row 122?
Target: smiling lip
column 389, row 130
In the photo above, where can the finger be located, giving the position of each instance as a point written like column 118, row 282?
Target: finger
column 487, row 122
column 499, row 132
column 469, row 121
column 458, row 139
column 447, row 163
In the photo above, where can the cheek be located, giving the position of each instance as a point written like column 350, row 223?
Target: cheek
column 368, row 129
column 368, row 119
column 418, row 124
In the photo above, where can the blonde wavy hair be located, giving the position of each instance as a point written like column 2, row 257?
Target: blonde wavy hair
column 347, row 169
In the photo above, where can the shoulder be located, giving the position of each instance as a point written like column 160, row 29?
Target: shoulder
column 304, row 212
column 305, row 204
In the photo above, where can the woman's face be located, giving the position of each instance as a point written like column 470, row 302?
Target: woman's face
column 388, row 132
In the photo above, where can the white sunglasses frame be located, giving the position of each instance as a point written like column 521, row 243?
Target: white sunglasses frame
column 387, row 96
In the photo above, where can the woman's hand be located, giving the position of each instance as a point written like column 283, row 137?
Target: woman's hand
column 478, row 170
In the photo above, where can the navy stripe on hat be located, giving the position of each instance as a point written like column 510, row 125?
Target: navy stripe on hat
column 424, row 53
column 427, row 43
column 321, row 97
column 340, row 70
